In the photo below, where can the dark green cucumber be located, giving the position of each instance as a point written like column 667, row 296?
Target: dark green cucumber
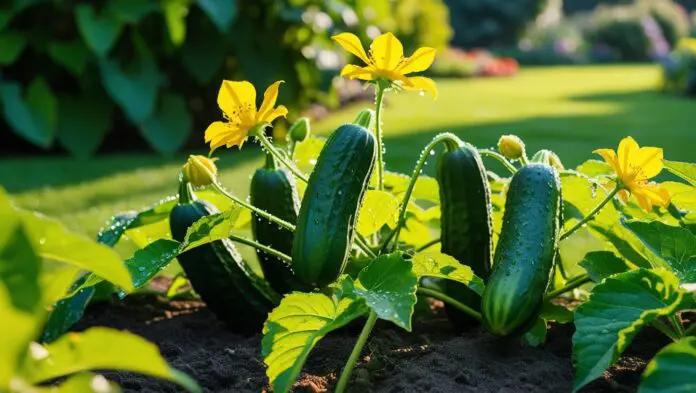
column 217, row 272
column 273, row 190
column 329, row 211
column 526, row 250
column 466, row 224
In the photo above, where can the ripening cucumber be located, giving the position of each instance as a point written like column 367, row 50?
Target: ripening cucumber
column 273, row 190
column 329, row 210
column 466, row 224
column 217, row 272
column 526, row 250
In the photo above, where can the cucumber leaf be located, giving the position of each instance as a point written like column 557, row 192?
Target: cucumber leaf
column 100, row 349
column 378, row 208
column 602, row 264
column 83, row 382
column 297, row 324
column 149, row 261
column 675, row 245
column 388, row 286
column 685, row 170
column 616, row 311
column 437, row 264
column 211, row 228
column 672, row 370
column 98, row 31
column 220, row 12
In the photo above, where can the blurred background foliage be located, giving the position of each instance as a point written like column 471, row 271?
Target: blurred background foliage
column 98, row 76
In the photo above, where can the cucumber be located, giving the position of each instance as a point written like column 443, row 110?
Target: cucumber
column 217, row 272
column 466, row 223
column 526, row 251
column 329, row 211
column 273, row 190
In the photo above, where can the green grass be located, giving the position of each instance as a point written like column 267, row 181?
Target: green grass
column 571, row 110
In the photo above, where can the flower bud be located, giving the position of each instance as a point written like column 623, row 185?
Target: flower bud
column 365, row 118
column 300, row 130
column 511, row 147
column 549, row 158
column 200, row 170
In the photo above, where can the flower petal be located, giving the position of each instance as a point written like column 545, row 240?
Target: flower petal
column 628, row 147
column 610, row 157
column 420, row 60
column 387, row 52
column 649, row 159
column 353, row 71
column 238, row 101
column 651, row 194
column 281, row 110
column 351, row 43
column 216, row 133
column 269, row 101
column 421, row 83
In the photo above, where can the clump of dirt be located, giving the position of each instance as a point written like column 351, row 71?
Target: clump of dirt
column 432, row 358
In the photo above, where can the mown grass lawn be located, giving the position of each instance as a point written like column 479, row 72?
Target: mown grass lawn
column 571, row 110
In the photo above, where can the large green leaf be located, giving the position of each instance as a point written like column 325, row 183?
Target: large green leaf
column 98, row 31
column 595, row 167
column 683, row 196
column 297, row 324
column 33, row 118
column 602, row 264
column 221, row 12
column 388, row 286
column 84, row 383
column 203, row 53
column 135, row 89
column 673, row 370
column 83, row 123
column 167, row 129
column 55, row 242
column 101, row 349
column 437, row 264
column 131, row 11
column 676, row 245
column 616, row 311
column 72, row 55
column 307, row 152
column 378, row 209
column 149, row 261
column 175, row 12
column 685, row 170
column 12, row 45
column 17, row 329
column 66, row 313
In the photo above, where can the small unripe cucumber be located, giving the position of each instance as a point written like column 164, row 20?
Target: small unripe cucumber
column 466, row 224
column 273, row 190
column 329, row 211
column 217, row 272
column 526, row 251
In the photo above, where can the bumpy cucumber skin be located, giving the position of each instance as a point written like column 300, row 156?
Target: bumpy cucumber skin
column 326, row 224
column 220, row 276
column 526, row 251
column 274, row 191
column 466, row 223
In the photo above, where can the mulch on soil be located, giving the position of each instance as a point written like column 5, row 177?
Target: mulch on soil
column 432, row 358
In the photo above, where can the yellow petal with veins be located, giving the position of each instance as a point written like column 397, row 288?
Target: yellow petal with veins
column 353, row 71
column 281, row 110
column 238, row 101
column 628, row 147
column 419, row 61
column 421, row 83
column 269, row 101
column 387, row 52
column 351, row 43
column 649, row 159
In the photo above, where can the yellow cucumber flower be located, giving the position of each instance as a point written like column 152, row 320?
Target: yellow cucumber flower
column 237, row 100
column 387, row 61
column 634, row 166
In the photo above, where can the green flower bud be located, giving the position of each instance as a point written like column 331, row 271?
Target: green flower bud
column 300, row 130
column 511, row 147
column 200, row 170
column 365, row 118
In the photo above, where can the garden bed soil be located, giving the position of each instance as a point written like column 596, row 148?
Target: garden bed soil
column 432, row 358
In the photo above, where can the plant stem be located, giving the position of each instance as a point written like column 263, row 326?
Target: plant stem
column 379, row 100
column 523, row 159
column 254, row 209
column 664, row 328
column 268, row 145
column 360, row 242
column 677, row 326
column 357, row 349
column 591, row 215
column 441, row 296
column 499, row 157
column 446, row 138
column 571, row 284
column 428, row 244
column 266, row 249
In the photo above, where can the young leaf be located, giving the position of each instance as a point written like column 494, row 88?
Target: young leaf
column 602, row 264
column 175, row 12
column 388, row 286
column 307, row 152
column 112, row 231
column 685, row 170
column 101, row 349
column 149, row 261
column 675, row 245
column 437, row 264
column 672, row 370
column 616, row 311
column 99, row 31
column 211, row 228
column 66, row 313
column 378, row 208
column 297, row 324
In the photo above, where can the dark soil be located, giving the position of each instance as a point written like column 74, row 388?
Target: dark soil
column 433, row 358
